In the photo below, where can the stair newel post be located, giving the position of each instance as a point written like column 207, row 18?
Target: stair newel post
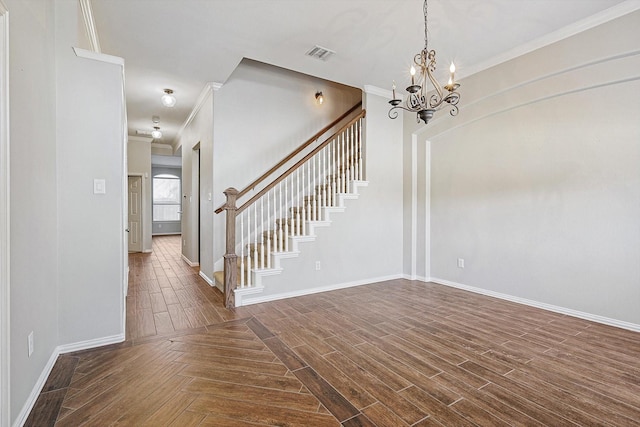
column 230, row 257
column 261, row 232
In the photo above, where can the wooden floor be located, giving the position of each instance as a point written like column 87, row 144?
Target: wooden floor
column 398, row 353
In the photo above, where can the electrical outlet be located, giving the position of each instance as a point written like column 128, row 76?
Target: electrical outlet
column 317, row 265
column 184, row 242
column 460, row 262
column 30, row 341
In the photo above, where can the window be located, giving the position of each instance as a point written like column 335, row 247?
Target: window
column 166, row 198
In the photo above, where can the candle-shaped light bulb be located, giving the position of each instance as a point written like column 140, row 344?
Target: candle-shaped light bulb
column 394, row 89
column 450, row 84
column 413, row 74
column 452, row 69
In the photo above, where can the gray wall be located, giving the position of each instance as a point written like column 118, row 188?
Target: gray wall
column 34, row 216
column 67, row 244
column 536, row 183
column 91, row 227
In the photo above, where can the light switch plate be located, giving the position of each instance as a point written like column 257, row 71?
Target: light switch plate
column 99, row 186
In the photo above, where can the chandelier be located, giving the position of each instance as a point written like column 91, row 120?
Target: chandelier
column 417, row 100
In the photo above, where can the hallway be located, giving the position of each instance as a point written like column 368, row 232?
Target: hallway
column 166, row 295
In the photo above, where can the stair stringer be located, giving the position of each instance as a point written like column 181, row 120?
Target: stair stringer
column 294, row 243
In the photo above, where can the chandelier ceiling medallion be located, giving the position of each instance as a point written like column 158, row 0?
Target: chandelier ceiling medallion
column 417, row 100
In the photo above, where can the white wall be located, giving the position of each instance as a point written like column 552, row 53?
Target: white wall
column 139, row 163
column 34, row 239
column 90, row 145
column 537, row 183
column 262, row 113
column 364, row 243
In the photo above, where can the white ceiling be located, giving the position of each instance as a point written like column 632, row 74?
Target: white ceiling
column 184, row 44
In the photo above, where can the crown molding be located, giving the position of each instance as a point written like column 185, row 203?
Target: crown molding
column 90, row 25
column 375, row 90
column 209, row 88
column 96, row 56
column 592, row 21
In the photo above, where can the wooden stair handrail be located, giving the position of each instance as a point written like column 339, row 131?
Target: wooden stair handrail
column 291, row 155
column 300, row 162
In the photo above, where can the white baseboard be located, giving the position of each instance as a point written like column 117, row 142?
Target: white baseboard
column 549, row 307
column 42, row 379
column 84, row 345
column 206, row 279
column 310, row 291
column 188, row 261
column 418, row 278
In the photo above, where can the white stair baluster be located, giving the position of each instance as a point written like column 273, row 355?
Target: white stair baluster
column 255, row 236
column 303, row 204
column 286, row 218
column 248, row 248
column 314, row 190
column 276, row 231
column 308, row 192
column 360, row 173
column 323, row 173
column 242, row 250
column 261, row 232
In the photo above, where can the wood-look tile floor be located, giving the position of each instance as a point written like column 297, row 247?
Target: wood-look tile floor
column 398, row 353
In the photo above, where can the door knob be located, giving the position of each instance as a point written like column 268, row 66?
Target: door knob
column 127, row 230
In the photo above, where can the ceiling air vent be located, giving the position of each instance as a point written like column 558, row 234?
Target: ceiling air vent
column 321, row 53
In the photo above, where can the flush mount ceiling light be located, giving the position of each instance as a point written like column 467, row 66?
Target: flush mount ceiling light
column 155, row 133
column 319, row 98
column 417, row 100
column 168, row 100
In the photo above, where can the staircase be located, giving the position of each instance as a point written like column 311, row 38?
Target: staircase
column 288, row 209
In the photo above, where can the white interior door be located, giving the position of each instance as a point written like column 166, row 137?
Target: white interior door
column 135, row 213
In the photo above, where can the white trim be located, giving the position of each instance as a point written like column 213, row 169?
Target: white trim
column 532, row 100
column 87, row 54
column 209, row 88
column 414, row 204
column 427, row 209
column 5, row 371
column 46, row 371
column 94, row 343
column 375, row 90
column 173, row 233
column 557, row 309
column 188, row 261
column 90, row 25
column 206, row 279
column 600, row 18
column 310, row 291
column 416, row 278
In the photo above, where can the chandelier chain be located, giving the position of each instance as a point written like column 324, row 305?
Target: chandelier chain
column 426, row 33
